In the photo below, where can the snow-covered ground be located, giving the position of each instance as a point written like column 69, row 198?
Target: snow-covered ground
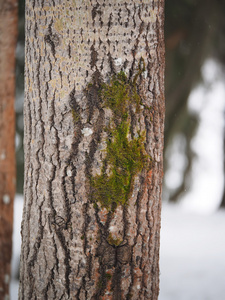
column 192, row 257
column 18, row 209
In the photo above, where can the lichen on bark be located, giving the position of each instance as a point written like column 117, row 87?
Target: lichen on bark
column 125, row 153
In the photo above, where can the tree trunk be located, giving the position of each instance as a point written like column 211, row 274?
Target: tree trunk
column 8, row 38
column 94, row 118
column 223, row 196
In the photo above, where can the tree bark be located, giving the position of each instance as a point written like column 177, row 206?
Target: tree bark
column 223, row 196
column 75, row 245
column 8, row 39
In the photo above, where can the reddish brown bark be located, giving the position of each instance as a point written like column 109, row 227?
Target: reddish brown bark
column 8, row 38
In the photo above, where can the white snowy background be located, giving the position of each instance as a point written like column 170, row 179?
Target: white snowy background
column 192, row 255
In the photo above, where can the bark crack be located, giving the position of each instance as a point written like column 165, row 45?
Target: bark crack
column 52, row 39
column 36, row 247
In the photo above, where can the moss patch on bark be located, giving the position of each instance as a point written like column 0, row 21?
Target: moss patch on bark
column 125, row 155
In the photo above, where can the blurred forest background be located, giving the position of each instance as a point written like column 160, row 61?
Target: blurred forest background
column 195, row 44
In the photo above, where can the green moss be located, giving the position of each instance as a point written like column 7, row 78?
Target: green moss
column 108, row 276
column 82, row 237
column 118, row 94
column 112, row 241
column 129, row 296
column 95, row 205
column 125, row 157
column 99, row 284
column 76, row 116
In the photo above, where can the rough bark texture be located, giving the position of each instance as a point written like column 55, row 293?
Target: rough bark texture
column 8, row 38
column 73, row 247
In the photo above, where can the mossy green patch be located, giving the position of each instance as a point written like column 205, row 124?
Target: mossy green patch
column 95, row 205
column 113, row 241
column 108, row 276
column 125, row 155
column 76, row 116
column 119, row 94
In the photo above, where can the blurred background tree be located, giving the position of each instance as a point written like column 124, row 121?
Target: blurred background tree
column 194, row 32
column 8, row 40
column 20, row 96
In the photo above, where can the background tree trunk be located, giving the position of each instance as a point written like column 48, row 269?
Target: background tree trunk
column 74, row 245
column 8, row 38
column 223, row 196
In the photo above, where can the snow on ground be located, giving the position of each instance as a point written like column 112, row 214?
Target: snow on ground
column 192, row 256
column 18, row 209
column 193, row 233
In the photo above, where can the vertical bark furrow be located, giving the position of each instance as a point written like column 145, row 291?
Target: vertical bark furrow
column 33, row 260
column 66, row 261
